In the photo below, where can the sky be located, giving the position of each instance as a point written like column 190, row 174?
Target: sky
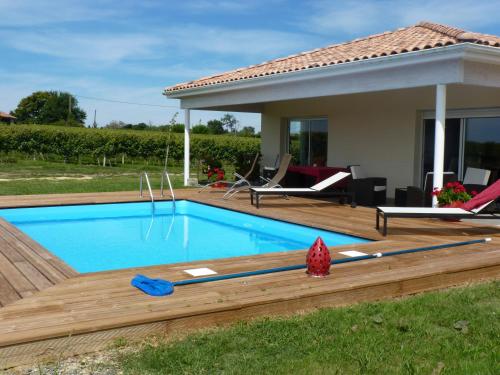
column 129, row 51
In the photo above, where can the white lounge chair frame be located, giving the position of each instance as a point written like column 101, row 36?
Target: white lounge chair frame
column 241, row 180
column 273, row 182
column 316, row 190
column 431, row 212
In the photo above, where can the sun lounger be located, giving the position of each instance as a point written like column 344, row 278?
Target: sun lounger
column 241, row 180
column 269, row 183
column 470, row 210
column 317, row 190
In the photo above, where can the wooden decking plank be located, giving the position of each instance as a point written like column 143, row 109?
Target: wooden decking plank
column 14, row 276
column 39, row 281
column 58, row 267
column 7, row 292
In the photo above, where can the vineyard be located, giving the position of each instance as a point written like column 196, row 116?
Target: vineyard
column 96, row 145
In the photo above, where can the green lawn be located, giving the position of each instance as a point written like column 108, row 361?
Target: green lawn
column 448, row 332
column 24, row 176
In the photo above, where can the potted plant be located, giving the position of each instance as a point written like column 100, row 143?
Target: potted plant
column 453, row 194
column 215, row 173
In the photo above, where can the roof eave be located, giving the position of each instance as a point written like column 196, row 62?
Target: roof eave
column 466, row 51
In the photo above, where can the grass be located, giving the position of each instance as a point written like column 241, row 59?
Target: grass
column 448, row 332
column 19, row 175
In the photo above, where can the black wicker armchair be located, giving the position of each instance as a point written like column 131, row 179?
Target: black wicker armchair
column 368, row 191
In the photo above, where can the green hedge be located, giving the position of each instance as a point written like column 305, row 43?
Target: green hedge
column 74, row 143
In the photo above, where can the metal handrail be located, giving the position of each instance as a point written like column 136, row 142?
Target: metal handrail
column 163, row 175
column 144, row 174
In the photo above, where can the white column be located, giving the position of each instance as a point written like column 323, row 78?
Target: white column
column 439, row 139
column 187, row 127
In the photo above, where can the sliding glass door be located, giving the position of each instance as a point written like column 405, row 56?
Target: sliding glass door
column 451, row 146
column 308, row 141
column 469, row 142
column 482, row 144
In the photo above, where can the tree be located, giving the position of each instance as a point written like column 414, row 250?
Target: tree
column 116, row 125
column 50, row 107
column 199, row 129
column 215, row 127
column 229, row 122
column 247, row 131
column 139, row 126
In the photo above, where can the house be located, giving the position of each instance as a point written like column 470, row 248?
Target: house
column 7, row 118
column 401, row 103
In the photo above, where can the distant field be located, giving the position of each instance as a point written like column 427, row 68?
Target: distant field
column 24, row 176
column 39, row 159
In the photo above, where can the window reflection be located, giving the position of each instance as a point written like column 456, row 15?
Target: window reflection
column 469, row 142
column 482, row 144
column 308, row 141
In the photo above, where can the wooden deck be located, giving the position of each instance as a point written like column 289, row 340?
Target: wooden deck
column 25, row 266
column 58, row 312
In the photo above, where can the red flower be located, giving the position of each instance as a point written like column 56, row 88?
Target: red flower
column 473, row 193
column 449, row 185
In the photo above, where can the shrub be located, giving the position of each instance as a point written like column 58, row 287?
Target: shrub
column 74, row 143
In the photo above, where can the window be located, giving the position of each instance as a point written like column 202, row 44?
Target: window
column 469, row 142
column 308, row 141
column 482, row 144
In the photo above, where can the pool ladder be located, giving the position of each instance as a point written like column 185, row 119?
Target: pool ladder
column 144, row 175
column 166, row 176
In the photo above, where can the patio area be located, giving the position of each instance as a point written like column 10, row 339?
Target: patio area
column 52, row 311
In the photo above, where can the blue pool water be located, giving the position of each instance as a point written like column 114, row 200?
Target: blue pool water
column 103, row 237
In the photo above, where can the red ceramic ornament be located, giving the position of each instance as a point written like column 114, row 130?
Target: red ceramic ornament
column 318, row 259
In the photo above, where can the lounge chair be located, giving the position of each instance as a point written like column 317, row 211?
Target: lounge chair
column 470, row 209
column 369, row 191
column 268, row 182
column 476, row 179
column 241, row 180
column 315, row 190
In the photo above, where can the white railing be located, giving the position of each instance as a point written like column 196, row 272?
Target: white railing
column 145, row 176
column 164, row 176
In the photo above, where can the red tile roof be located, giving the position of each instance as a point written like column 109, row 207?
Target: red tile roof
column 7, row 115
column 424, row 35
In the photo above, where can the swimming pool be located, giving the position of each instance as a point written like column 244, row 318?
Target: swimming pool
column 104, row 237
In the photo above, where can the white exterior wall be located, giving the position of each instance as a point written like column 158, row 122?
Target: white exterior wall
column 380, row 131
column 272, row 137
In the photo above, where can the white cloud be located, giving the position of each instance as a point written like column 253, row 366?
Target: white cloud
column 114, row 47
column 219, row 5
column 176, row 72
column 106, row 47
column 39, row 12
column 260, row 43
column 359, row 18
